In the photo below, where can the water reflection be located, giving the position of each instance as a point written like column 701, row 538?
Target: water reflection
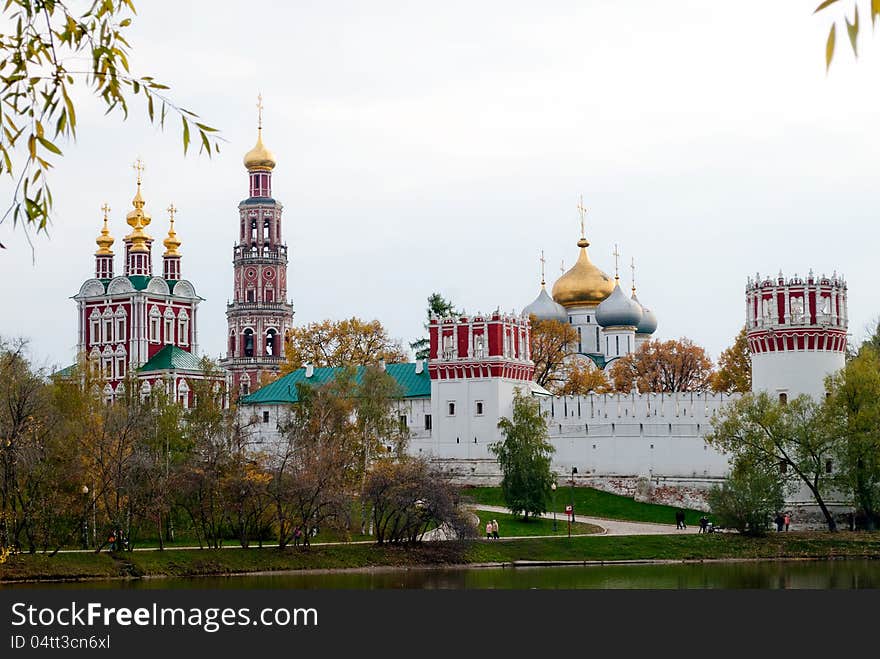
column 849, row 574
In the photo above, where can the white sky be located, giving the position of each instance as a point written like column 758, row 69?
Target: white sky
column 439, row 147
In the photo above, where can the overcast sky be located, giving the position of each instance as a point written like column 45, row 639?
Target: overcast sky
column 440, row 146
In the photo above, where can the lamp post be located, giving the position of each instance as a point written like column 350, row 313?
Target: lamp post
column 574, row 470
column 553, row 488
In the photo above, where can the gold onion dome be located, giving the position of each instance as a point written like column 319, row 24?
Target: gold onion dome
column 259, row 158
column 584, row 284
column 172, row 242
column 137, row 219
column 105, row 240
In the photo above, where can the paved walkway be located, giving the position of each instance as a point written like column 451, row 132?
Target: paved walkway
column 610, row 526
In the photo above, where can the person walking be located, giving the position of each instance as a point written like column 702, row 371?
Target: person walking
column 495, row 529
column 787, row 520
column 679, row 519
column 489, row 530
column 704, row 523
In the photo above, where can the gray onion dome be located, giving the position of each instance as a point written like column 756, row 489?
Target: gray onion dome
column 649, row 320
column 617, row 310
column 544, row 308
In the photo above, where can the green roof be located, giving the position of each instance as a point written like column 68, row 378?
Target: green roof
column 139, row 282
column 65, row 372
column 172, row 358
column 283, row 390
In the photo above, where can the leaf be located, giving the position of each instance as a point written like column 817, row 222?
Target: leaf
column 853, row 31
column 49, row 146
column 823, row 5
column 829, row 48
column 875, row 10
column 185, row 135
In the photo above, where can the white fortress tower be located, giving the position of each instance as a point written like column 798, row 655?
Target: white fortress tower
column 476, row 363
column 797, row 332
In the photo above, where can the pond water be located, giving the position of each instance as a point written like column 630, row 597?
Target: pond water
column 832, row 574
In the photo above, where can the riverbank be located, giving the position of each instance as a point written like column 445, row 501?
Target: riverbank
column 590, row 549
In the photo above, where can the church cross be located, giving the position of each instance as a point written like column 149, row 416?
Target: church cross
column 542, row 267
column 616, row 254
column 171, row 211
column 260, row 110
column 106, row 209
column 139, row 168
column 582, row 211
column 632, row 266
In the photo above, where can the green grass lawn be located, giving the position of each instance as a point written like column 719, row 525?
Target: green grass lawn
column 577, row 548
column 593, row 503
column 510, row 526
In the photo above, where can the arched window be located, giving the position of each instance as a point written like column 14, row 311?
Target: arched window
column 478, row 346
column 796, row 305
column 120, row 324
column 270, row 343
column 95, row 327
column 249, row 342
column 107, row 326
column 169, row 325
column 154, row 325
column 232, row 344
column 245, row 384
column 120, row 363
column 183, row 327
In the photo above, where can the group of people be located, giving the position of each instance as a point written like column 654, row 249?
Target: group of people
column 783, row 521
column 492, row 530
column 706, row 526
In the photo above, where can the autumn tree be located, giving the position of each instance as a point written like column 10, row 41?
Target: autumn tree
column 749, row 498
column 351, row 342
column 852, row 411
column 407, row 498
column 788, row 439
column 48, row 47
column 441, row 308
column 377, row 421
column 663, row 366
column 524, row 457
column 734, row 372
column 554, row 343
column 315, row 467
column 582, row 377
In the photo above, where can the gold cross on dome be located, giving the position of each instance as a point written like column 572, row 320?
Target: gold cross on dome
column 260, row 110
column 582, row 211
column 106, row 209
column 171, row 211
column 139, row 168
column 616, row 254
column 542, row 267
column 632, row 266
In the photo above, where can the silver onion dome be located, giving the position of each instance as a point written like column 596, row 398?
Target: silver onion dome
column 649, row 320
column 617, row 310
column 544, row 308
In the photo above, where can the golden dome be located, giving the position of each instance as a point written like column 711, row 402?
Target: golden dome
column 584, row 284
column 259, row 158
column 137, row 219
column 172, row 242
column 105, row 240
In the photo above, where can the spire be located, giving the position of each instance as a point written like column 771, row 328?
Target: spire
column 259, row 158
column 582, row 211
column 138, row 218
column 172, row 242
column 543, row 283
column 105, row 240
column 616, row 254
column 632, row 266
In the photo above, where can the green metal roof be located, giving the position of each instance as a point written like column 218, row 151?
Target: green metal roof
column 65, row 372
column 172, row 358
column 139, row 282
column 283, row 390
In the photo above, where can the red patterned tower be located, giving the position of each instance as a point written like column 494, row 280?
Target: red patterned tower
column 259, row 315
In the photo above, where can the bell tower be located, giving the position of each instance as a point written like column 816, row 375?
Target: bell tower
column 259, row 315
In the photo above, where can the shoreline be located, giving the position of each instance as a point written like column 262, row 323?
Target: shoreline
column 515, row 564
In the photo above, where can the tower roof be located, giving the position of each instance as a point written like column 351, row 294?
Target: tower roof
column 138, row 218
column 172, row 242
column 618, row 310
column 259, row 158
column 105, row 240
